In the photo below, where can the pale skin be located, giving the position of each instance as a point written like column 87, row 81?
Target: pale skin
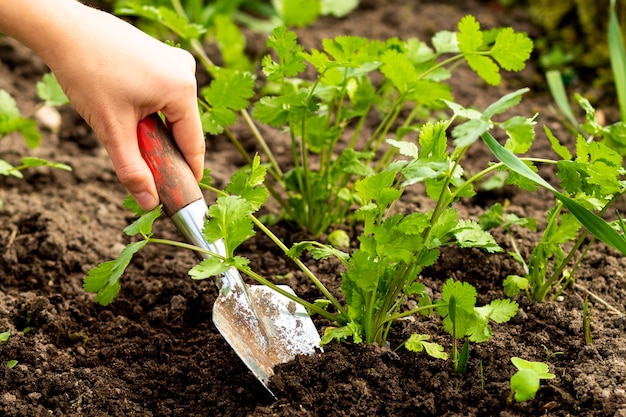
column 114, row 75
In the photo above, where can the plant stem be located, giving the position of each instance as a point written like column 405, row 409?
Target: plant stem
column 343, row 313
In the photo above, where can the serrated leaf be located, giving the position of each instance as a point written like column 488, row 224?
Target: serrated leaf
column 290, row 63
column 131, row 204
column 469, row 37
column 485, row 68
column 511, row 49
column 104, row 278
column 469, row 234
column 559, row 149
column 231, row 89
column 463, row 293
column 399, row 70
column 499, row 311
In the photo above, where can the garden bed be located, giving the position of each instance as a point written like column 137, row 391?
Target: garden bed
column 155, row 352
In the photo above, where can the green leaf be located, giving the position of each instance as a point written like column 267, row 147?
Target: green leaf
column 559, row 149
column 232, row 43
column 231, row 89
column 485, row 68
column 104, row 278
column 338, row 8
column 143, row 225
column 8, row 106
column 8, row 169
column 4, row 336
column 209, row 267
column 11, row 364
column 49, row 90
column 617, row 55
column 467, row 133
column 418, row 343
column 499, row 311
column 469, row 37
column 540, row 368
column 463, row 295
column 469, row 234
column 31, row 162
column 131, row 204
column 511, row 50
column 298, row 12
column 290, row 63
column 228, row 220
column 445, row 41
column 504, row 103
column 525, row 384
column 521, row 131
column 399, row 70
column 513, row 284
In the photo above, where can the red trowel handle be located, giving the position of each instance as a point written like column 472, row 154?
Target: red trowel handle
column 176, row 184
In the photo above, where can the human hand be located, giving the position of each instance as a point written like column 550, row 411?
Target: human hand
column 115, row 75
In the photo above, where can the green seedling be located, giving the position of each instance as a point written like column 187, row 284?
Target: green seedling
column 461, row 318
column 526, row 381
column 587, row 322
column 11, row 121
column 4, row 336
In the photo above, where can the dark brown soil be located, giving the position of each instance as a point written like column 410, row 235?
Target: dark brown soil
column 155, row 351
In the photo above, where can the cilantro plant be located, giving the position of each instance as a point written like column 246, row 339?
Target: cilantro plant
column 462, row 318
column 329, row 111
column 525, row 382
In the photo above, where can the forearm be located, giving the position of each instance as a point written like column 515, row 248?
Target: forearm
column 42, row 25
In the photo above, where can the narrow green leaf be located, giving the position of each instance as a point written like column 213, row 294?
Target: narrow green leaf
column 617, row 55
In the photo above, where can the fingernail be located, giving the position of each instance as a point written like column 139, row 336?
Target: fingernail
column 145, row 200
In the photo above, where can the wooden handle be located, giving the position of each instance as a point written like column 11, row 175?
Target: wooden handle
column 175, row 182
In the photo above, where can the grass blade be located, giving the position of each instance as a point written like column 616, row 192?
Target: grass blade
column 557, row 89
column 618, row 61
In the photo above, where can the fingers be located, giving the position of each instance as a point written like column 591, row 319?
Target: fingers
column 130, row 167
column 184, row 122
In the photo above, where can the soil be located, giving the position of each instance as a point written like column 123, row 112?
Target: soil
column 155, row 351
